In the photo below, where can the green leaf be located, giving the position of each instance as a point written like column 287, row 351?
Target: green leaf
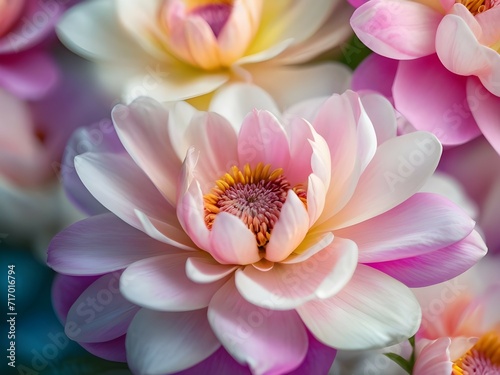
column 403, row 363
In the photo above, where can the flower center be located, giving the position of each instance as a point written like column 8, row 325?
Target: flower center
column 478, row 6
column 256, row 196
column 215, row 12
column 482, row 358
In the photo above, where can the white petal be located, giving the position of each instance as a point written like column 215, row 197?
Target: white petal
column 161, row 283
column 121, row 186
column 399, row 169
column 234, row 101
column 167, row 342
column 92, row 29
column 372, row 311
column 232, row 242
column 289, row 231
column 206, row 270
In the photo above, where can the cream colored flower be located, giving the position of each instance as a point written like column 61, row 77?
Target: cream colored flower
column 178, row 49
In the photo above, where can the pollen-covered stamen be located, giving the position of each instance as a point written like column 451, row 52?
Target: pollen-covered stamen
column 256, row 196
column 482, row 358
column 215, row 12
column 478, row 6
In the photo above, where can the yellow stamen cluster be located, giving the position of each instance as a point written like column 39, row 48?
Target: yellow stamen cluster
column 474, row 6
column 255, row 195
column 482, row 358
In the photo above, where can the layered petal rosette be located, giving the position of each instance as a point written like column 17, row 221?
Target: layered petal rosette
column 179, row 49
column 261, row 235
column 447, row 80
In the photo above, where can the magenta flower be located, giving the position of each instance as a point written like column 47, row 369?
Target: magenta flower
column 254, row 235
column 26, row 70
column 448, row 74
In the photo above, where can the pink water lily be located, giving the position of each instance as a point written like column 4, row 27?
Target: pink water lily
column 453, row 49
column 254, row 234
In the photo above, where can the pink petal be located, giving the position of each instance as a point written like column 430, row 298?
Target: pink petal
column 201, row 43
column 220, row 363
column 437, row 266
column 214, row 138
column 484, row 107
column 17, row 126
column 232, row 242
column 241, row 24
column 300, row 134
column 288, row 286
column 372, row 311
column 263, row 139
column 143, row 129
column 434, row 358
column 28, row 75
column 112, row 350
column 489, row 30
column 357, row 3
column 461, row 53
column 121, row 186
column 66, row 290
column 190, row 204
column 161, row 283
column 100, row 244
column 37, row 23
column 100, row 313
column 289, row 231
column 96, row 138
column 351, row 138
column 423, row 223
column 206, row 270
column 399, row 30
column 268, row 341
column 375, row 73
column 166, row 342
column 441, row 93
column 318, row 360
column 398, row 170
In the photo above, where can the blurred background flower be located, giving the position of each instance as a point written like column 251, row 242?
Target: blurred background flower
column 172, row 50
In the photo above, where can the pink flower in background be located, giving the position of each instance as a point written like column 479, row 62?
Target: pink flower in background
column 178, row 49
column 33, row 136
column 26, row 69
column 254, row 235
column 460, row 331
column 447, row 79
